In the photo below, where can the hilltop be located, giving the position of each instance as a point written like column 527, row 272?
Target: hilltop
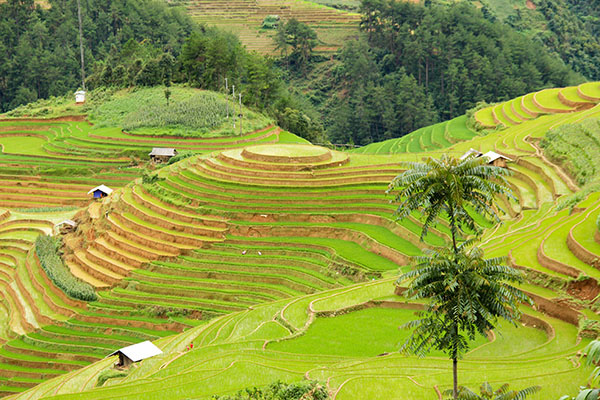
column 277, row 259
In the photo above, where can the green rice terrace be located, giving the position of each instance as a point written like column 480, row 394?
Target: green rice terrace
column 276, row 258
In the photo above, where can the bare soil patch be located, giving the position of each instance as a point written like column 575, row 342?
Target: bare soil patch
column 585, row 290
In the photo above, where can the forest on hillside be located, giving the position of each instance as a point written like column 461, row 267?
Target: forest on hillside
column 568, row 28
column 40, row 46
column 410, row 65
column 414, row 65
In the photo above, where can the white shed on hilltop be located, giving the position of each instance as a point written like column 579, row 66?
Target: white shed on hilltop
column 80, row 96
column 136, row 352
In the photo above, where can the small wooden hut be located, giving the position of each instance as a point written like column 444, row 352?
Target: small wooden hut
column 66, row 226
column 162, row 154
column 495, row 159
column 136, row 352
column 100, row 191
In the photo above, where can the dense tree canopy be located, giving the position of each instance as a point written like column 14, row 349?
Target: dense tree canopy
column 569, row 28
column 40, row 48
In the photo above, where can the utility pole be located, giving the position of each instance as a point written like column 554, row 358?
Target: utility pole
column 233, row 88
column 81, row 44
column 227, row 97
column 241, row 116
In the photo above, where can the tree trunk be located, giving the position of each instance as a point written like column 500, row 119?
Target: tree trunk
column 455, row 377
column 453, row 230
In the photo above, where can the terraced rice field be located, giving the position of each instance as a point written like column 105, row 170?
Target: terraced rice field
column 301, row 338
column 55, row 163
column 49, row 165
column 431, row 139
column 245, row 17
column 548, row 101
column 278, row 261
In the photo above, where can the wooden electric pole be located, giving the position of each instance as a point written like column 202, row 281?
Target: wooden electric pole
column 81, row 44
column 227, row 97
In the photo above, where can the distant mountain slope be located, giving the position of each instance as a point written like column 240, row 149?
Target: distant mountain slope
column 245, row 17
column 567, row 27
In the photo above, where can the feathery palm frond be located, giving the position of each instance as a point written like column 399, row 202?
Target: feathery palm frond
column 448, row 186
column 486, row 392
column 467, row 293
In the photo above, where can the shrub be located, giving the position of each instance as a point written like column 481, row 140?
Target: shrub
column 181, row 156
column 577, row 148
column 278, row 390
column 150, row 178
column 270, row 22
column 589, row 328
column 47, row 249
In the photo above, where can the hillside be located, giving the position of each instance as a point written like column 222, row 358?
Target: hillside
column 277, row 259
column 245, row 19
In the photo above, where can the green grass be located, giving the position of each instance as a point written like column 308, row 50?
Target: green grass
column 345, row 335
column 572, row 94
column 23, row 145
column 345, row 249
column 430, row 138
column 529, row 105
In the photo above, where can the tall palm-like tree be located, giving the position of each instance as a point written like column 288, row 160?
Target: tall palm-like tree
column 447, row 187
column 467, row 295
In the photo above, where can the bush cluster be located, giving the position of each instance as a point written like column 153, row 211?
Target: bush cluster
column 308, row 390
column 159, row 311
column 181, row 156
column 577, row 148
column 47, row 249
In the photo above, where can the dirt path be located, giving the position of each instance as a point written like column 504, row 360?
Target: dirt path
column 564, row 176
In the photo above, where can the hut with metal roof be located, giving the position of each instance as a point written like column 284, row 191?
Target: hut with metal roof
column 100, row 191
column 66, row 226
column 495, row 159
column 136, row 352
column 162, row 154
